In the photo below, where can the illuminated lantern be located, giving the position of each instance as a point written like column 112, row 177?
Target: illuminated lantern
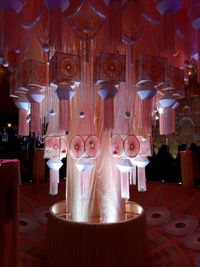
column 66, row 74
column 32, row 76
column 84, row 166
column 141, row 162
column 55, row 146
column 151, row 74
column 64, row 93
column 107, row 92
column 54, row 165
column 125, row 167
column 117, row 146
column 23, row 106
column 110, row 71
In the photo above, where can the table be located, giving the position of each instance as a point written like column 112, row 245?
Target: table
column 9, row 213
column 187, row 171
column 92, row 244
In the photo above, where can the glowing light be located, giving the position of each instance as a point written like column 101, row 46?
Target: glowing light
column 9, row 125
column 161, row 110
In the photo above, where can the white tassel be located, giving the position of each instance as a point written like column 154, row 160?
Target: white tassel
column 141, row 179
column 125, row 185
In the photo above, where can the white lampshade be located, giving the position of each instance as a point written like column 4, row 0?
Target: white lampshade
column 167, row 101
column 140, row 161
column 124, row 165
column 146, row 91
column 84, row 165
column 22, row 104
column 54, row 163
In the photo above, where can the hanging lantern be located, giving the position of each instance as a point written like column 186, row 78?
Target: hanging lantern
column 131, row 146
column 116, row 146
column 124, row 166
column 141, row 162
column 110, row 70
column 23, row 106
column 32, row 76
column 84, row 166
column 64, row 93
column 107, row 92
column 54, row 165
column 55, row 146
column 66, row 74
column 52, row 147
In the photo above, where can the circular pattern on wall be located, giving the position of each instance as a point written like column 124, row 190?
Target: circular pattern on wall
column 153, row 68
column 27, row 223
column 112, row 67
column 41, row 215
column 68, row 67
column 76, row 146
column 131, row 146
column 92, row 146
column 157, row 216
column 181, row 225
column 193, row 241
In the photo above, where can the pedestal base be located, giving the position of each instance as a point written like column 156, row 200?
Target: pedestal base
column 86, row 244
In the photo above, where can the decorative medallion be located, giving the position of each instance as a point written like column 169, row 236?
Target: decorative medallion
column 131, row 146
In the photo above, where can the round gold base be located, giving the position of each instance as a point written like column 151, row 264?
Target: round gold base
column 96, row 244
